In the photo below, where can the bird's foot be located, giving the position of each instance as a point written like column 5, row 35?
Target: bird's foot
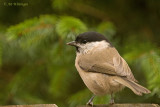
column 89, row 104
column 111, row 101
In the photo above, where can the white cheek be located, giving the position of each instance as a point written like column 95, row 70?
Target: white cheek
column 87, row 48
column 98, row 45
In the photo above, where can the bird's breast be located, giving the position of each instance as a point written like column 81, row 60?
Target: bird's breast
column 98, row 83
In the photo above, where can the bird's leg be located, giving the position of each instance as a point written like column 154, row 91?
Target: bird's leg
column 112, row 99
column 90, row 101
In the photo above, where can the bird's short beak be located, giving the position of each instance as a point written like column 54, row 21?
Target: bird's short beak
column 73, row 43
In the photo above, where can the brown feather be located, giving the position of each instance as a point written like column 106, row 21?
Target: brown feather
column 106, row 61
column 136, row 88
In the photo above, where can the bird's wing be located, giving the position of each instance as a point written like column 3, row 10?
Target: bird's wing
column 122, row 68
column 99, row 68
column 111, row 64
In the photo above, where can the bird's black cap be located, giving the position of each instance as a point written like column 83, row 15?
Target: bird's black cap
column 90, row 37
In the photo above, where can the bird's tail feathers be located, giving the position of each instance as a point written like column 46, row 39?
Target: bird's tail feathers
column 136, row 88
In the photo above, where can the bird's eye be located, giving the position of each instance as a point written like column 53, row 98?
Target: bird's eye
column 84, row 41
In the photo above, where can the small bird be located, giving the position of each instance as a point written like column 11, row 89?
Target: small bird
column 101, row 67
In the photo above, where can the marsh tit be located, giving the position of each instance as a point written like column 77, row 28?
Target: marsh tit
column 101, row 67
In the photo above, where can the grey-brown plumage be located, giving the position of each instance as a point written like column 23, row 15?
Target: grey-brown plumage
column 101, row 67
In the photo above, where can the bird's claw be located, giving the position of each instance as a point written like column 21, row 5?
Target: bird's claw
column 90, row 103
column 111, row 101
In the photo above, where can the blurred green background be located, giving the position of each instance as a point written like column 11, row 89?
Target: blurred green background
column 37, row 67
